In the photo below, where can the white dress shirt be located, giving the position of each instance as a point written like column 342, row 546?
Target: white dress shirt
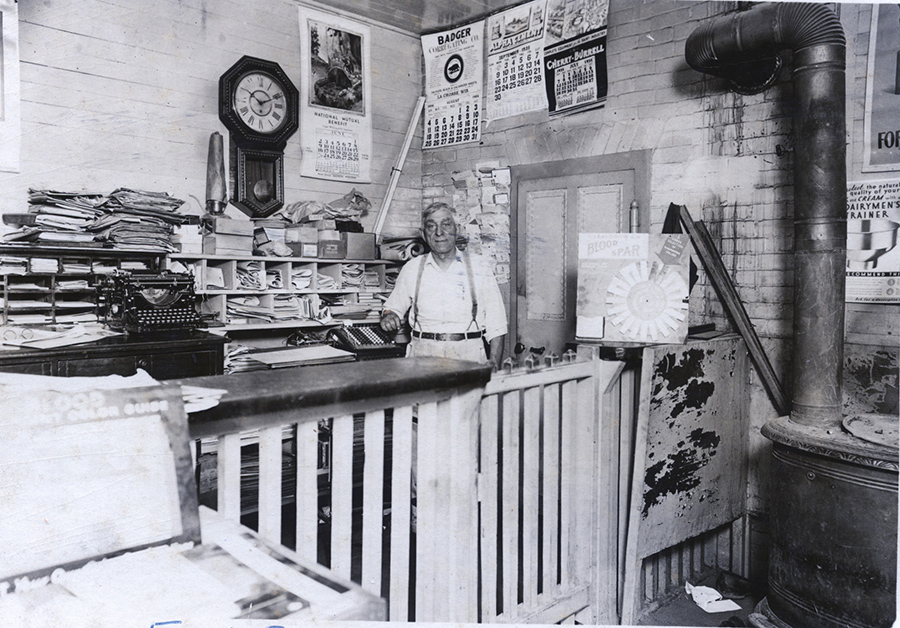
column 444, row 303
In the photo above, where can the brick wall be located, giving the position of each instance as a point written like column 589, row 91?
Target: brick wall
column 727, row 157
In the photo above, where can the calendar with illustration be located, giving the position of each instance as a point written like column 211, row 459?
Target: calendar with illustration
column 454, row 87
column 515, row 47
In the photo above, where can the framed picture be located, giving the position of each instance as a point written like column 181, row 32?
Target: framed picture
column 336, row 68
column 882, row 135
column 10, row 136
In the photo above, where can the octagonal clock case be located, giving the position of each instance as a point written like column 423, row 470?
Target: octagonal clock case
column 258, row 104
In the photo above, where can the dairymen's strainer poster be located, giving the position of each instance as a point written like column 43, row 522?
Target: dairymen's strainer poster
column 873, row 258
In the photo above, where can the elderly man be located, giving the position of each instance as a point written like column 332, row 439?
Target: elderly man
column 452, row 297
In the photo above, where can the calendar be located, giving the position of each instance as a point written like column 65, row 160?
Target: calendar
column 451, row 125
column 575, row 84
column 337, row 152
column 454, row 67
column 515, row 61
column 335, row 120
column 574, row 62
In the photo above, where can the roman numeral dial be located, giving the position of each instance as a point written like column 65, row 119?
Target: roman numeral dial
column 259, row 102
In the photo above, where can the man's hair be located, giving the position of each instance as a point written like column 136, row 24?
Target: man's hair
column 436, row 207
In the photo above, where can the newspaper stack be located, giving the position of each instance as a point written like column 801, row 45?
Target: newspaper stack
column 125, row 219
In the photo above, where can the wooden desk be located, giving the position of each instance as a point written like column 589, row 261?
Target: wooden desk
column 164, row 355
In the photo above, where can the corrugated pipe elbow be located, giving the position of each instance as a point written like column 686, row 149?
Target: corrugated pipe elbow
column 744, row 48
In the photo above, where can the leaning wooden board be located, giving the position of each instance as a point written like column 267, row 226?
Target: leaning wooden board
column 690, row 460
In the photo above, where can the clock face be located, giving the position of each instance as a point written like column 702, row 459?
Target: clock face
column 259, row 102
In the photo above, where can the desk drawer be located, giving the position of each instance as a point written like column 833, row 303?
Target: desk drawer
column 96, row 367
column 183, row 364
column 28, row 368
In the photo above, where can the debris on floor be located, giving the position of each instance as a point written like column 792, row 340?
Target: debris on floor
column 709, row 599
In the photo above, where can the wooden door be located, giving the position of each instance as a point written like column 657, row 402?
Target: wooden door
column 554, row 202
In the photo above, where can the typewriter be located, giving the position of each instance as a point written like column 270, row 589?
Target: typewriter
column 139, row 302
column 367, row 340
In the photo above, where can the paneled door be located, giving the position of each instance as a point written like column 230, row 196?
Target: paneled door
column 554, row 202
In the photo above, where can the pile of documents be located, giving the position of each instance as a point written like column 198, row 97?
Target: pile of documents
column 124, row 219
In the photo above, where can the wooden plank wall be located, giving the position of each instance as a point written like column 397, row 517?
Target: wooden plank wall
column 664, row 574
column 123, row 93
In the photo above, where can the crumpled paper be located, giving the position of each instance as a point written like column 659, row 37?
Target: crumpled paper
column 709, row 599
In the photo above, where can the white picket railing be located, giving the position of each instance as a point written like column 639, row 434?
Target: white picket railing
column 456, row 498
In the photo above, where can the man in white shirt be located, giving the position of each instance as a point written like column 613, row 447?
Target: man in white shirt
column 437, row 290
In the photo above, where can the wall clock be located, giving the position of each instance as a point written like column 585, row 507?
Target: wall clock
column 259, row 106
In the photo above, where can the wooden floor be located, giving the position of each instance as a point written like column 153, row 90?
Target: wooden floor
column 682, row 611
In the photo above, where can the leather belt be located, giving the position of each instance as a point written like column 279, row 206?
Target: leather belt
column 424, row 335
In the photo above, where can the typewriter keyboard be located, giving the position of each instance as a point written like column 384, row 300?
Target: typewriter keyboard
column 176, row 318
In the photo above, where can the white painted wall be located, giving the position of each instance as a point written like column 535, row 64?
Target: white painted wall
column 123, row 93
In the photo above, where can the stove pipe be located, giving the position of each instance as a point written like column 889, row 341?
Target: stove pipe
column 745, row 48
column 833, row 495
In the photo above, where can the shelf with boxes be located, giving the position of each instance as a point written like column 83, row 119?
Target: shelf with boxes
column 42, row 285
column 245, row 292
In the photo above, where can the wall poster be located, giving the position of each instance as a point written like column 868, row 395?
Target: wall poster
column 873, row 259
column 515, row 50
column 335, row 98
column 10, row 136
column 632, row 287
column 575, row 55
column 882, row 132
column 454, row 84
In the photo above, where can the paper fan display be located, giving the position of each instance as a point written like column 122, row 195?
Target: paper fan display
column 646, row 302
column 632, row 287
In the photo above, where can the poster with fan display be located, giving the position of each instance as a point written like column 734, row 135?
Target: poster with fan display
column 632, row 287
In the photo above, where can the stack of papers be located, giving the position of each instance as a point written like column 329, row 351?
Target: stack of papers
column 10, row 265
column 44, row 265
column 124, row 219
column 273, row 279
column 302, row 356
column 240, row 308
column 326, row 282
column 36, row 338
column 352, row 275
column 301, row 278
column 249, row 276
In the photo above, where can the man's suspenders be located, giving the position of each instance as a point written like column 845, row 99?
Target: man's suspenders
column 469, row 273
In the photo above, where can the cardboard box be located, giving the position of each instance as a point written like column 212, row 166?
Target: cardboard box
column 304, row 249
column 300, row 233
column 231, row 226
column 359, row 245
column 227, row 244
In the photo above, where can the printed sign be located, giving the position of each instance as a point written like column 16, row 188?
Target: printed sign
column 454, row 67
column 873, row 259
column 882, row 131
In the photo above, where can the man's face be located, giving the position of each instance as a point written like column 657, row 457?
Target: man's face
column 440, row 231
